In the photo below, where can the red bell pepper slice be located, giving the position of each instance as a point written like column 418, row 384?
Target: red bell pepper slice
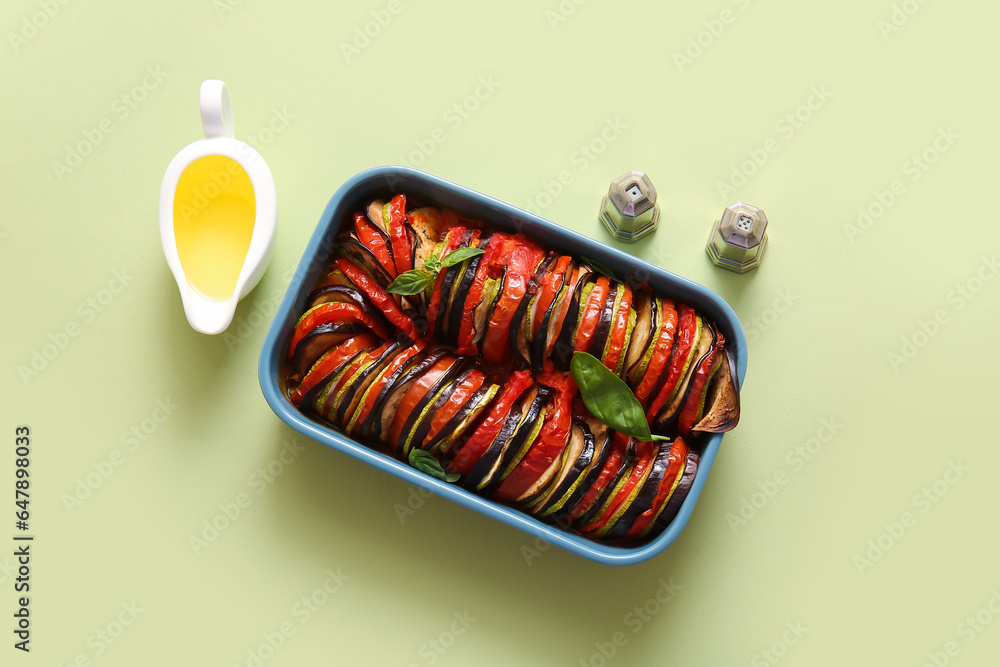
column 522, row 258
column 661, row 353
column 376, row 388
column 373, row 239
column 333, row 312
column 450, row 243
column 379, row 297
column 645, row 455
column 373, row 353
column 480, row 441
column 330, row 361
column 417, row 390
column 551, row 439
column 643, row 522
column 619, row 329
column 466, row 329
column 459, row 397
column 591, row 315
column 685, row 340
column 619, row 448
column 551, row 283
column 693, row 402
column 402, row 250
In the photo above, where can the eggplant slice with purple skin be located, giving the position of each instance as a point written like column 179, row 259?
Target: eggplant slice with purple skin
column 418, row 414
column 344, row 294
column 562, row 353
column 723, row 411
column 577, row 455
column 676, row 499
column 646, row 495
column 315, row 343
column 487, row 465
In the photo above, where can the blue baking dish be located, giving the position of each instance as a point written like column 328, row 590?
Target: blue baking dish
column 383, row 182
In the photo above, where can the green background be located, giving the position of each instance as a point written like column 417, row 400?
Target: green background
column 829, row 305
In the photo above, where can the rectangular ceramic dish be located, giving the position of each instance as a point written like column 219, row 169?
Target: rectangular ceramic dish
column 384, row 182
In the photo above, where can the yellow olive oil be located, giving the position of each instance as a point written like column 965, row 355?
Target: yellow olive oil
column 214, row 211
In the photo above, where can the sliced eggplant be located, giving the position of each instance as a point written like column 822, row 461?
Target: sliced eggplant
column 668, row 415
column 318, row 341
column 450, row 276
column 480, row 473
column 527, row 434
column 604, row 323
column 422, row 412
column 463, row 422
column 645, row 497
column 682, row 356
column 540, row 341
column 329, row 401
column 492, row 292
column 609, row 490
column 576, row 455
column 399, row 362
column 351, row 247
column 624, row 497
column 562, row 352
column 679, row 495
column 344, row 294
column 722, row 411
column 645, row 327
column 374, row 213
column 461, row 290
column 357, row 385
column 398, row 382
column 316, row 397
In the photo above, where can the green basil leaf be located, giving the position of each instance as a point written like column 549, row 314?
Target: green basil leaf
column 414, row 281
column 460, row 255
column 431, row 265
column 608, row 398
column 600, row 268
column 426, row 463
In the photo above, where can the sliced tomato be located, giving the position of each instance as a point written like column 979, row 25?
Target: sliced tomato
column 330, row 362
column 694, row 404
column 619, row 330
column 402, row 250
column 375, row 240
column 551, row 440
column 459, row 397
column 479, row 442
column 591, row 315
column 642, row 524
column 416, row 391
column 522, row 258
column 379, row 297
column 686, row 339
column 333, row 312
